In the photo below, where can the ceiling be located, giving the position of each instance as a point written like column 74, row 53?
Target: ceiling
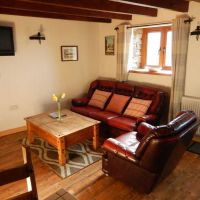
column 89, row 10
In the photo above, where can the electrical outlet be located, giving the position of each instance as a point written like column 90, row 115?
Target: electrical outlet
column 14, row 107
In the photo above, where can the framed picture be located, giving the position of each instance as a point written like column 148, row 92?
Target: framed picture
column 69, row 53
column 110, row 45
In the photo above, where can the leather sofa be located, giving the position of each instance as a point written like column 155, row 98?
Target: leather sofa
column 145, row 157
column 116, row 123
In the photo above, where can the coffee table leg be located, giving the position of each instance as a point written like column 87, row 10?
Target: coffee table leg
column 30, row 133
column 61, row 151
column 95, row 137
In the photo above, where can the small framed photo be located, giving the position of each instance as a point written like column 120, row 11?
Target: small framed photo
column 69, row 53
column 110, row 45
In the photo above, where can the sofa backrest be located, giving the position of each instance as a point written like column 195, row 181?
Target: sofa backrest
column 157, row 97
column 161, row 149
column 123, row 88
column 104, row 85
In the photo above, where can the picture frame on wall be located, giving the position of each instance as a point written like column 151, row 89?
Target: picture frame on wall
column 110, row 45
column 69, row 53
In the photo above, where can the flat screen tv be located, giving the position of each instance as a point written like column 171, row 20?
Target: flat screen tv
column 6, row 41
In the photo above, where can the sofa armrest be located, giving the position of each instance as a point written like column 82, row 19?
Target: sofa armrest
column 144, row 129
column 146, row 118
column 116, row 147
column 80, row 101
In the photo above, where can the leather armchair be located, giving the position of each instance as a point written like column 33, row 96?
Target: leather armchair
column 145, row 157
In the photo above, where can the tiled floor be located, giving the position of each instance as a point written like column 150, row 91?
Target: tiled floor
column 61, row 195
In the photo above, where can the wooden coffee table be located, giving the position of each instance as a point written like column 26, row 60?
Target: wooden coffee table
column 72, row 129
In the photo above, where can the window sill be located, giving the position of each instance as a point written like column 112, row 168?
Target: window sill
column 147, row 71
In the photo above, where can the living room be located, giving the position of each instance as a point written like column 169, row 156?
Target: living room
column 28, row 80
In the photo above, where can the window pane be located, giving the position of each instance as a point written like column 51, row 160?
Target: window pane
column 168, row 57
column 153, row 46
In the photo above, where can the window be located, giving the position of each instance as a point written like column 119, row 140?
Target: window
column 156, row 49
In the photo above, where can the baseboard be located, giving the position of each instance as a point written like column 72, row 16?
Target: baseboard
column 12, row 131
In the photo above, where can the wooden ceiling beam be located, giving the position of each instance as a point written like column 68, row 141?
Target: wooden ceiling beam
column 180, row 5
column 34, row 6
column 21, row 12
column 104, row 5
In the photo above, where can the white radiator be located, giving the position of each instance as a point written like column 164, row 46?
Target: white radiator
column 192, row 103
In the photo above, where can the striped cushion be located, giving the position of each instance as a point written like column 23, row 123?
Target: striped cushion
column 117, row 103
column 99, row 98
column 137, row 107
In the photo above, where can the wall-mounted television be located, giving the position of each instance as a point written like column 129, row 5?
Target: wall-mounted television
column 6, row 41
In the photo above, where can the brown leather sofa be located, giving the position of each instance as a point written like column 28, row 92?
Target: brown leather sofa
column 116, row 123
column 143, row 158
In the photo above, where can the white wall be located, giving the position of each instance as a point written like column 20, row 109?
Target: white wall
column 192, row 84
column 153, row 79
column 28, row 79
column 108, row 63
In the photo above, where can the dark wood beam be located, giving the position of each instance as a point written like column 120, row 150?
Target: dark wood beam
column 104, row 5
column 178, row 5
column 34, row 6
column 21, row 12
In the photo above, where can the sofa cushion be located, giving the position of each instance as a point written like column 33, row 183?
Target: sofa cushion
column 117, row 103
column 130, row 140
column 137, row 107
column 99, row 99
column 84, row 110
column 124, row 89
column 143, row 92
column 106, row 85
column 124, row 123
column 103, row 115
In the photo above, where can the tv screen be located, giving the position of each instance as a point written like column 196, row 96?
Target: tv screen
column 6, row 41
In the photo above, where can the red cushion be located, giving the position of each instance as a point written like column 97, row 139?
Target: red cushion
column 84, row 110
column 103, row 115
column 137, row 107
column 99, row 99
column 117, row 103
column 124, row 123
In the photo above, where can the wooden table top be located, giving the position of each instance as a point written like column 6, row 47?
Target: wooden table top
column 71, row 123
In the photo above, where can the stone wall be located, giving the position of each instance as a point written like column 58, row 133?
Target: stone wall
column 137, row 45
